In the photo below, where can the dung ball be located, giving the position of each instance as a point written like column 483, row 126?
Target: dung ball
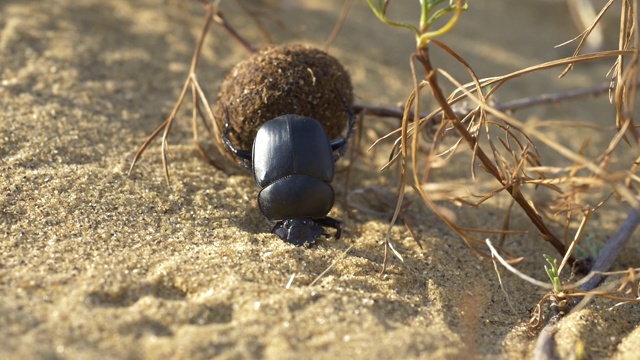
column 281, row 80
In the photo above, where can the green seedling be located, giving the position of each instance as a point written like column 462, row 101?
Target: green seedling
column 430, row 11
column 553, row 273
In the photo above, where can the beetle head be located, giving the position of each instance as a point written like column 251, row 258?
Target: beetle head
column 298, row 231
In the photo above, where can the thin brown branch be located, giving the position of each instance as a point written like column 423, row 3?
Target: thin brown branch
column 213, row 14
column 336, row 28
column 509, row 106
column 219, row 19
column 256, row 19
column 488, row 165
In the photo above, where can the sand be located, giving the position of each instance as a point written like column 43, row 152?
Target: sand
column 96, row 264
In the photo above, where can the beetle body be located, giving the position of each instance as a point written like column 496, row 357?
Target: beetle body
column 293, row 165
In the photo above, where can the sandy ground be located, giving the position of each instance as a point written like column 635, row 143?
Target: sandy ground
column 98, row 264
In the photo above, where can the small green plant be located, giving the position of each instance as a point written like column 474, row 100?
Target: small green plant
column 553, row 273
column 429, row 13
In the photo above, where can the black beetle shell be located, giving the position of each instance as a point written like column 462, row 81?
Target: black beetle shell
column 292, row 145
column 296, row 196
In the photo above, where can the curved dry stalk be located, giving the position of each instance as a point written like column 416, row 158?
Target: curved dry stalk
column 163, row 127
column 401, row 186
column 504, row 291
column 499, row 173
column 597, row 170
column 166, row 125
column 262, row 29
column 468, row 239
column 346, row 6
column 213, row 14
column 577, row 289
column 496, row 256
column 344, row 254
column 497, row 81
column 472, row 141
column 417, row 184
column 512, row 188
column 509, row 106
column 626, row 80
column 219, row 19
column 436, row 116
column 584, row 36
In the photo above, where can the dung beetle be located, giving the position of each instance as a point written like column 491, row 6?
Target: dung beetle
column 293, row 165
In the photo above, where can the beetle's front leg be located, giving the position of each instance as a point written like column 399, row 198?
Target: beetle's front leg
column 244, row 155
column 330, row 222
column 339, row 144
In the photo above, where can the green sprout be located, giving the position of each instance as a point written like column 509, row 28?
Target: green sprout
column 429, row 13
column 553, row 273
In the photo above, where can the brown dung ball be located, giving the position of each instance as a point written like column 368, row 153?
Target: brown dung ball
column 281, row 80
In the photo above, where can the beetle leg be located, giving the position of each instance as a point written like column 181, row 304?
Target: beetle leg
column 244, row 155
column 330, row 222
column 278, row 225
column 339, row 144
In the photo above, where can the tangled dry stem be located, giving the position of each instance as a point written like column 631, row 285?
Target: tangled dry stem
column 514, row 169
column 513, row 161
